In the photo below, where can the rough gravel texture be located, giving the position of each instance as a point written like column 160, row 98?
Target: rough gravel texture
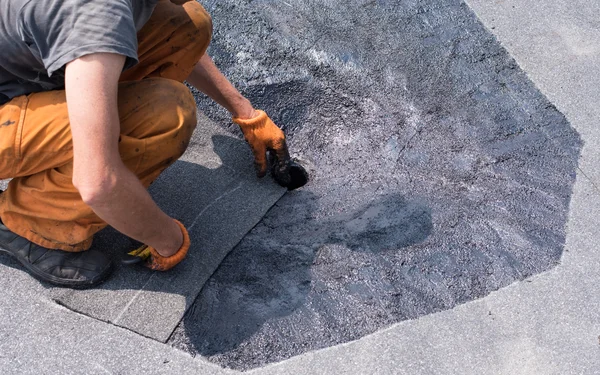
column 439, row 173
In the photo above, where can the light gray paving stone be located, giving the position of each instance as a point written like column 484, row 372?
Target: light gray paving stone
column 558, row 44
column 37, row 336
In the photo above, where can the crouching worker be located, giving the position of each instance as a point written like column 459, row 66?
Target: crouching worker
column 92, row 109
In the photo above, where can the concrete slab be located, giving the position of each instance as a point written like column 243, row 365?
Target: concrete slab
column 214, row 192
column 558, row 44
column 40, row 337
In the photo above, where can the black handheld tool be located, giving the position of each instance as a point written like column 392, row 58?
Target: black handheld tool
column 287, row 173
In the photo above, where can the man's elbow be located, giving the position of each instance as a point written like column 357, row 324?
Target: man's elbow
column 95, row 191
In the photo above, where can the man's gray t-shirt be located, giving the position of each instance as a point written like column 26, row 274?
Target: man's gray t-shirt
column 38, row 37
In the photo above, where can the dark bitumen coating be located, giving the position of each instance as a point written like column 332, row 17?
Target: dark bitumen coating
column 439, row 173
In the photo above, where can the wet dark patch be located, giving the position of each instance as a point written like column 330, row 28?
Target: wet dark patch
column 439, row 173
column 387, row 225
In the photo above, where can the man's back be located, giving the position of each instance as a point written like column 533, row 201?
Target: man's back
column 37, row 38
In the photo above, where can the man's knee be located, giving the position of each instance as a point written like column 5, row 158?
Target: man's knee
column 179, row 108
column 202, row 22
column 161, row 111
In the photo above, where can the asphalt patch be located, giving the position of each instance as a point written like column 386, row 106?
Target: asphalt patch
column 439, row 173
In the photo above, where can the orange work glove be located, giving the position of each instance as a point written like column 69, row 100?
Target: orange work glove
column 263, row 135
column 153, row 260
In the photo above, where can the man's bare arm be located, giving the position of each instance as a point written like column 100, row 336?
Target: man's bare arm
column 260, row 132
column 105, row 184
column 207, row 78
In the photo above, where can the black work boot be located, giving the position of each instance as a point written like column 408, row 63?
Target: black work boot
column 75, row 270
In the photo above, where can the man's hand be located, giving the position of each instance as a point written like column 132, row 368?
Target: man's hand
column 260, row 132
column 263, row 135
column 153, row 260
column 104, row 182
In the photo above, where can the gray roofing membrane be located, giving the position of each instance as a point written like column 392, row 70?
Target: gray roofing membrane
column 439, row 174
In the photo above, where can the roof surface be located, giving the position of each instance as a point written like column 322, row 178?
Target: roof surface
column 449, row 226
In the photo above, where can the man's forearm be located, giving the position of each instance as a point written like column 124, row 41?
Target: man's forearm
column 129, row 208
column 261, row 133
column 207, row 78
column 104, row 183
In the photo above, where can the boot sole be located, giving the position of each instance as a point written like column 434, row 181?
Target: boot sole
column 57, row 281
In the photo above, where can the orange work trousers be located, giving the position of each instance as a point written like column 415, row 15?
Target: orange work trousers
column 157, row 114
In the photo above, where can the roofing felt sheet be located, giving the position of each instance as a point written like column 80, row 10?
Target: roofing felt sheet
column 213, row 190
